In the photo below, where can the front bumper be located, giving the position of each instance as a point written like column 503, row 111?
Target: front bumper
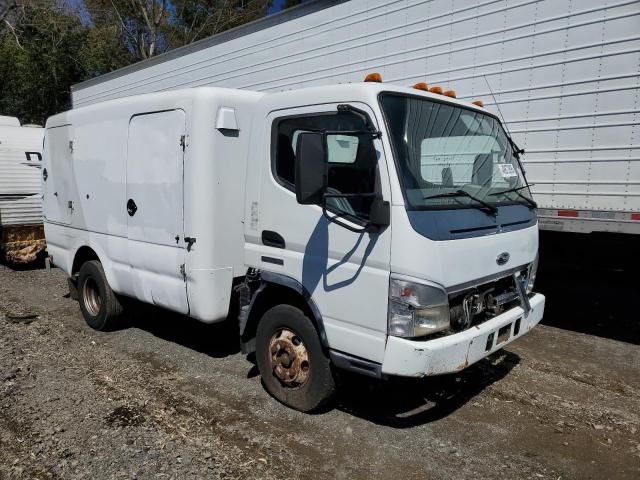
column 419, row 358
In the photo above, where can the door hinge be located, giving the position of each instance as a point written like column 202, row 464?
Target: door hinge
column 183, row 272
column 183, row 142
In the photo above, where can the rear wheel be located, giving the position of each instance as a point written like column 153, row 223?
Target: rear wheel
column 293, row 366
column 100, row 306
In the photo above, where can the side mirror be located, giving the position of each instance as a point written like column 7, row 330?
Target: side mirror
column 310, row 168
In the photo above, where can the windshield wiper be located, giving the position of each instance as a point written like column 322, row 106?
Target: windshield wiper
column 485, row 207
column 516, row 190
column 517, row 151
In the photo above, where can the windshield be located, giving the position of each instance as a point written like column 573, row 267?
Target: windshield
column 443, row 149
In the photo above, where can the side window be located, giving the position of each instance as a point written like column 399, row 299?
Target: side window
column 352, row 158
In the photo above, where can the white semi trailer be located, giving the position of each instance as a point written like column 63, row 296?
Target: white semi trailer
column 564, row 72
column 381, row 229
column 21, row 229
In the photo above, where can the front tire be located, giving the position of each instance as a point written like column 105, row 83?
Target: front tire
column 292, row 364
column 100, row 306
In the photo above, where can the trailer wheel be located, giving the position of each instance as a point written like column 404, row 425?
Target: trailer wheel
column 292, row 364
column 100, row 306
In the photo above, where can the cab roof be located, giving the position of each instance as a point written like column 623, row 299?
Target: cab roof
column 361, row 91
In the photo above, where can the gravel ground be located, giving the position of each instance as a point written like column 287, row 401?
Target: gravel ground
column 167, row 397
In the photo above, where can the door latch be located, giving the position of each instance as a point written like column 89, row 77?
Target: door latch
column 190, row 241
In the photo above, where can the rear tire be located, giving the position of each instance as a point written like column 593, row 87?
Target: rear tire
column 292, row 364
column 100, row 306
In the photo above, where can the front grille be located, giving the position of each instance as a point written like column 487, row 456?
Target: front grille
column 478, row 304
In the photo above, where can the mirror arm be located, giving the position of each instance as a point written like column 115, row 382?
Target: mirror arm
column 351, row 195
column 335, row 219
column 345, row 107
column 368, row 227
column 374, row 134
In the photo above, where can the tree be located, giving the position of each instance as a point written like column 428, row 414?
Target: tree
column 198, row 19
column 39, row 61
column 139, row 23
column 7, row 7
column 48, row 45
column 150, row 27
column 9, row 13
column 103, row 51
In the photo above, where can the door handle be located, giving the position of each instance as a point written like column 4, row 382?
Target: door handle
column 272, row 239
column 132, row 208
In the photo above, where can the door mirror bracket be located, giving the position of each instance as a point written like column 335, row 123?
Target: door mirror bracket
column 311, row 166
column 379, row 217
column 366, row 119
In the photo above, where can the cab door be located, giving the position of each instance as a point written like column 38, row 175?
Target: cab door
column 154, row 204
column 345, row 272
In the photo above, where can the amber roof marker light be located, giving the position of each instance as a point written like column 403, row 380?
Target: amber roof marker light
column 449, row 93
column 478, row 103
column 437, row 89
column 421, row 86
column 373, row 77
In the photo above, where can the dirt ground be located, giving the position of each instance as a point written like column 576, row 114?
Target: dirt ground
column 167, row 397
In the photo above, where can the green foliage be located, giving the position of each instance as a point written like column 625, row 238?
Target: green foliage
column 39, row 61
column 102, row 51
column 46, row 46
column 198, row 19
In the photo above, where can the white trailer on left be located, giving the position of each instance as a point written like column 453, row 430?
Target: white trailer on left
column 21, row 229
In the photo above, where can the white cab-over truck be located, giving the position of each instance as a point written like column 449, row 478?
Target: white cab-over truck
column 380, row 229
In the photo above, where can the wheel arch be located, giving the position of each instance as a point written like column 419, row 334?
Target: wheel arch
column 277, row 289
column 87, row 251
column 83, row 254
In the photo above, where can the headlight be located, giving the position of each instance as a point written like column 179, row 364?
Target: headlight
column 416, row 310
column 533, row 270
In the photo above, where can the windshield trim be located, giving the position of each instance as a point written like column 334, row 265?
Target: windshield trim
column 461, row 206
column 408, row 206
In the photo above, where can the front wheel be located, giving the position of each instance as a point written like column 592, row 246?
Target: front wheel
column 100, row 306
column 292, row 364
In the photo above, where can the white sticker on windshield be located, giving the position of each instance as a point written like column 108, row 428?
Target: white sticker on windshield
column 507, row 170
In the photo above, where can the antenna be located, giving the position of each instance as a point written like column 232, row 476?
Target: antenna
column 517, row 151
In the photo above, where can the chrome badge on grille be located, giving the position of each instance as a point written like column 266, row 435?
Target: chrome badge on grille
column 502, row 258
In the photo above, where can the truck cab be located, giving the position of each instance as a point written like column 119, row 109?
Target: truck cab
column 403, row 216
column 380, row 229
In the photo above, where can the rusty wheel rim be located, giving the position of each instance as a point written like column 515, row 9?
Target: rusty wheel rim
column 91, row 295
column 289, row 358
